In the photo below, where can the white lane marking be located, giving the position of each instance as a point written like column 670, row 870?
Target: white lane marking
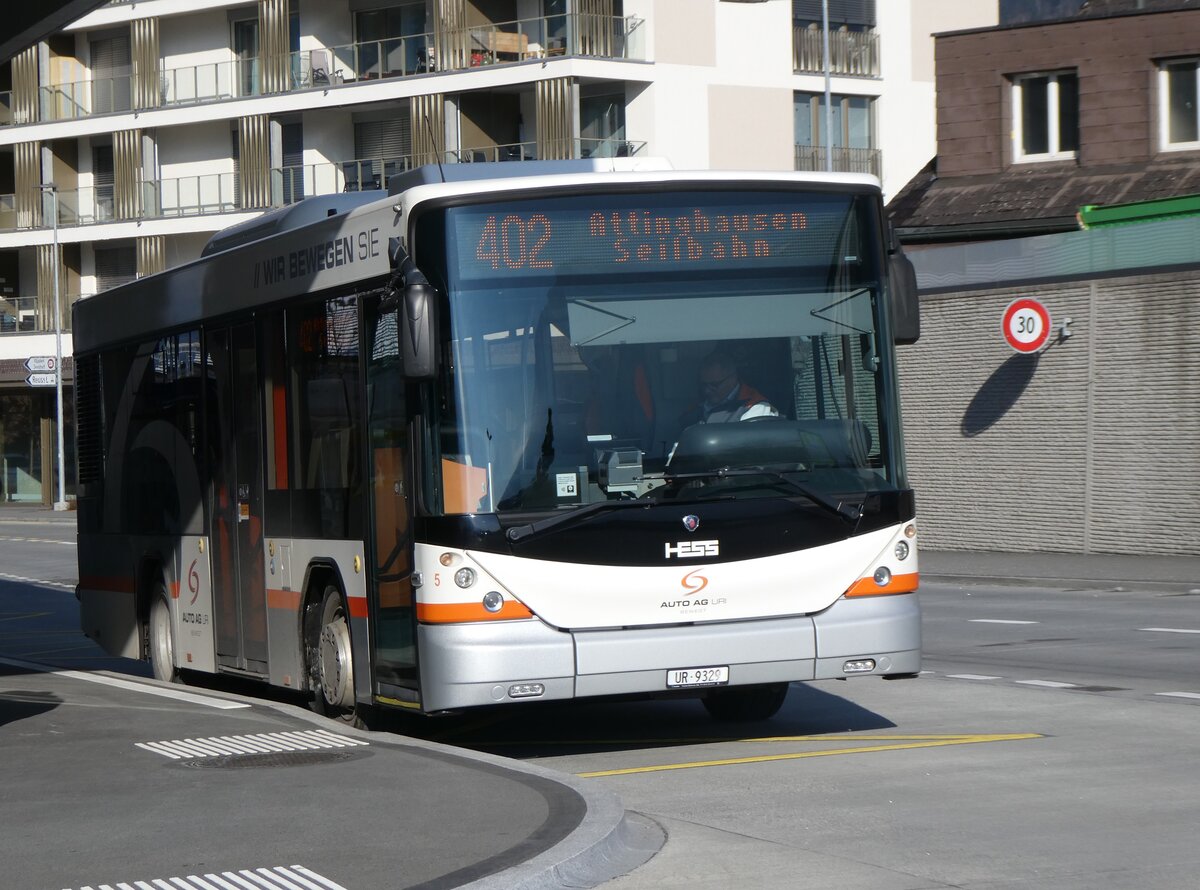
column 191, row 698
column 270, row 742
column 998, row 621
column 24, row 580
column 973, row 677
column 1180, row 694
column 295, row 877
column 1050, row 684
column 1171, row 630
column 36, row 541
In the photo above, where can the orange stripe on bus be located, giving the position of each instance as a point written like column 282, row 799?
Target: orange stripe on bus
column 899, row 584
column 122, row 584
column 283, row 599
column 453, row 613
column 174, row 590
column 358, row 606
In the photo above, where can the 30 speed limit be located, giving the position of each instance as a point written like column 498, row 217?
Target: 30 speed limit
column 1026, row 325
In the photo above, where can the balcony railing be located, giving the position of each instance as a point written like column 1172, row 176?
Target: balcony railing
column 574, row 34
column 22, row 315
column 212, row 193
column 291, row 184
column 845, row 160
column 851, row 53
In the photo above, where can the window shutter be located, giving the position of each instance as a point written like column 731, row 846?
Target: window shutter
column 115, row 266
column 841, row 12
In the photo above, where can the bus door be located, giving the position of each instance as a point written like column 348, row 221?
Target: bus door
column 391, row 512
column 235, row 439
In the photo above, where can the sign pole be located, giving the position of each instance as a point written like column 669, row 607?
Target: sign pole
column 61, row 503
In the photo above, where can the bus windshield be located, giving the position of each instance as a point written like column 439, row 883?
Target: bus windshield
column 678, row 344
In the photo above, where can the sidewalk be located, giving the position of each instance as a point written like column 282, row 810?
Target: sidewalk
column 25, row 512
column 1090, row 571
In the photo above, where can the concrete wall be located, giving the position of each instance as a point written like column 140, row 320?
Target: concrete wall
column 1089, row 446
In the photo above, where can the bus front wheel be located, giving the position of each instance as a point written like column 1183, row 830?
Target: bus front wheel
column 162, row 640
column 736, row 704
column 331, row 660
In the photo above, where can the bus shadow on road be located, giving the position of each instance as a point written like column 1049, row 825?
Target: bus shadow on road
column 597, row 725
column 22, row 704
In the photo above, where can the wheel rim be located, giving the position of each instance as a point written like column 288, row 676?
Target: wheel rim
column 336, row 661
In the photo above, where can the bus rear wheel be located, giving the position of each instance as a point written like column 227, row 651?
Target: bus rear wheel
column 331, row 660
column 736, row 704
column 162, row 639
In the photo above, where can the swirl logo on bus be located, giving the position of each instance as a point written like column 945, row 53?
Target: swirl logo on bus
column 193, row 582
column 694, row 582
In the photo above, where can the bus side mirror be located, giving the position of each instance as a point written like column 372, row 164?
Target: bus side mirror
column 902, row 298
column 418, row 330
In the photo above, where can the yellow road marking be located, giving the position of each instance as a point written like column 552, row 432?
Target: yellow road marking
column 902, row 742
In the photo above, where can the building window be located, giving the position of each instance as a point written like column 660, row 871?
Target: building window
column 853, row 127
column 1177, row 90
column 853, row 41
column 1045, row 116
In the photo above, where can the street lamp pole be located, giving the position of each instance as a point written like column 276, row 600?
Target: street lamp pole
column 828, row 86
column 61, row 502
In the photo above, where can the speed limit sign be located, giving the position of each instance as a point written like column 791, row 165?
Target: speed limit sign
column 1026, row 325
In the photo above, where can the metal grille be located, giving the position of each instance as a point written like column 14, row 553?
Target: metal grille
column 89, row 421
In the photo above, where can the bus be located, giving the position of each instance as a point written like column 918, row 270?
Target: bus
column 446, row 447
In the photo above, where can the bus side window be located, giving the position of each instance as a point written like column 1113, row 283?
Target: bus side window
column 327, row 483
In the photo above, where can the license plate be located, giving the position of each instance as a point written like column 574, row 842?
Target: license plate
column 679, row 678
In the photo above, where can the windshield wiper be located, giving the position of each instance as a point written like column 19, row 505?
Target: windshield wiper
column 848, row 511
column 521, row 532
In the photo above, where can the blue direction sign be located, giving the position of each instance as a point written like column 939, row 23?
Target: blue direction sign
column 40, row 364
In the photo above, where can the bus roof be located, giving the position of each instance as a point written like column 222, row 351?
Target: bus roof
column 343, row 240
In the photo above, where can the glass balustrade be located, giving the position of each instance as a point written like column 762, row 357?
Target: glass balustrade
column 576, row 34
column 24, row 315
column 211, row 193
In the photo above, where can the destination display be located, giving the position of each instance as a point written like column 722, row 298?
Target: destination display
column 581, row 235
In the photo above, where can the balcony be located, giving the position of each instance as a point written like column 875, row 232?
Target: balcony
column 214, row 193
column 21, row 315
column 851, row 53
column 576, row 34
column 845, row 160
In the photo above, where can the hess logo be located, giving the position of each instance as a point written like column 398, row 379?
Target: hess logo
column 692, row 549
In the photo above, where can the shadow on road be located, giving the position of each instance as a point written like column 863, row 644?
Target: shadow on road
column 21, row 704
column 539, row 730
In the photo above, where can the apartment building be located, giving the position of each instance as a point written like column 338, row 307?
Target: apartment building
column 131, row 136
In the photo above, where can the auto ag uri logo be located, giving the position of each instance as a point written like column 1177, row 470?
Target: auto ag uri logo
column 694, row 582
column 193, row 582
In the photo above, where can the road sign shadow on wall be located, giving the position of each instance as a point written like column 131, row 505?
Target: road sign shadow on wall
column 999, row 393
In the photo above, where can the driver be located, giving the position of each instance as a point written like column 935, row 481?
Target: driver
column 724, row 397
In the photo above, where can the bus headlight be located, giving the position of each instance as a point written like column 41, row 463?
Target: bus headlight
column 464, row 577
column 902, row 550
column 493, row 601
column 883, row 576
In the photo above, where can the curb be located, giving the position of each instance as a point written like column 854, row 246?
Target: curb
column 608, row 842
column 1107, row 585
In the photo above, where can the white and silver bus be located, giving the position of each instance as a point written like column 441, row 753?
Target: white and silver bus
column 446, row 447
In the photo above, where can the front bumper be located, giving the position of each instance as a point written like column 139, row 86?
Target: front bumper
column 470, row 665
